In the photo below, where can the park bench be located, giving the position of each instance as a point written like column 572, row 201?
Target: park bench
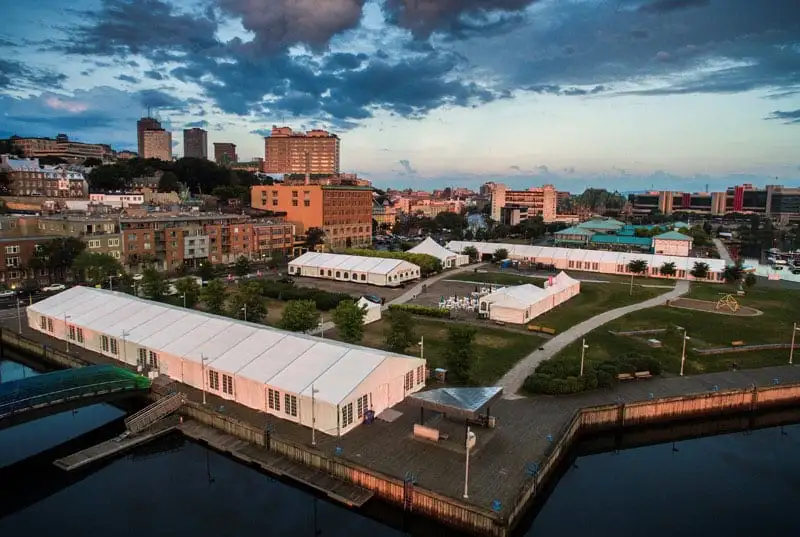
column 643, row 374
column 625, row 376
column 737, row 343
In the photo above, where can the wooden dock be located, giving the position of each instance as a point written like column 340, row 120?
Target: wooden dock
column 114, row 446
column 336, row 489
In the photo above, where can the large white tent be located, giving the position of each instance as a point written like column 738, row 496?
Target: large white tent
column 449, row 259
column 354, row 268
column 372, row 309
column 522, row 303
column 598, row 261
column 264, row 368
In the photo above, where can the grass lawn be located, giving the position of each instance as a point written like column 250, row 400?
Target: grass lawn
column 498, row 350
column 781, row 308
column 514, row 278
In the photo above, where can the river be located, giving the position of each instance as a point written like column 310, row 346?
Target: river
column 741, row 484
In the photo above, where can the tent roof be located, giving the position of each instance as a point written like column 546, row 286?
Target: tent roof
column 457, row 402
column 289, row 361
column 374, row 265
column 431, row 247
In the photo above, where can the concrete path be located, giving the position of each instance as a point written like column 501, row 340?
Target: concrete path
column 512, row 381
column 723, row 252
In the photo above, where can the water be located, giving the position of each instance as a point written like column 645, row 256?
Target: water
column 741, row 484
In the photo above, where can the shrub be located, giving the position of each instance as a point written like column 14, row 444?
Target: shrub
column 324, row 300
column 427, row 264
column 424, row 311
column 561, row 377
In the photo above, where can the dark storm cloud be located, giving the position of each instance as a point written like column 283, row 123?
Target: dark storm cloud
column 154, row 75
column 667, row 6
column 344, row 60
column 791, row 117
column 159, row 100
column 17, row 75
column 127, row 78
column 569, row 92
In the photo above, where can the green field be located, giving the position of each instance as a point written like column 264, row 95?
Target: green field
column 513, row 278
column 707, row 330
column 498, row 350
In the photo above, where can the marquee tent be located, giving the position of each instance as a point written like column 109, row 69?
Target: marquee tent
column 354, row 268
column 449, row 259
column 522, row 303
column 373, row 310
column 285, row 374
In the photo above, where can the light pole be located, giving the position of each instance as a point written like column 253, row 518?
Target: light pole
column 468, row 444
column 244, row 309
column 683, row 353
column 111, row 282
column 183, row 296
column 791, row 349
column 584, row 346
column 203, row 372
column 321, row 327
column 313, row 416
column 421, row 347
column 66, row 331
column 125, row 334
column 19, row 316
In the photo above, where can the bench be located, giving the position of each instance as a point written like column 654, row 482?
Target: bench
column 643, row 374
column 625, row 376
column 737, row 343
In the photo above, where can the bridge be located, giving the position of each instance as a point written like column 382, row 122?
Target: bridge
column 34, row 397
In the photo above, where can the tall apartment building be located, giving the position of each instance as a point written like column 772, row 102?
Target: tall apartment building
column 539, row 201
column 145, row 124
column 61, row 146
column 315, row 152
column 343, row 212
column 157, row 144
column 225, row 153
column 195, row 143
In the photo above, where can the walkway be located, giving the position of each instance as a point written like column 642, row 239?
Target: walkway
column 512, row 381
column 723, row 252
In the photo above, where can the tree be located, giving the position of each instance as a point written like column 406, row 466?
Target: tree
column 472, row 252
column 733, row 273
column 276, row 258
column 637, row 266
column 500, row 254
column 750, row 280
column 57, row 255
column 349, row 320
column 699, row 270
column 5, row 183
column 188, row 288
column 400, row 334
column 206, row 271
column 154, row 286
column 247, row 303
column 169, row 183
column 92, row 162
column 214, row 296
column 460, row 352
column 299, row 315
column 668, row 269
column 242, row 266
column 314, row 237
column 95, row 267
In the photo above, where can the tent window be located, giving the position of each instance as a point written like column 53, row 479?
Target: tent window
column 338, row 274
column 347, row 414
column 363, row 277
column 329, row 273
column 346, row 275
column 361, row 406
column 72, row 333
column 153, row 359
column 49, row 324
column 43, row 323
column 290, row 404
column 355, row 276
column 274, row 399
column 227, row 384
column 104, row 343
column 420, row 374
column 409, row 381
column 321, row 272
column 114, row 348
column 80, row 335
column 141, row 358
column 213, row 380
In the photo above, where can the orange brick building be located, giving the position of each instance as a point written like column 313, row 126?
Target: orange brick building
column 315, row 152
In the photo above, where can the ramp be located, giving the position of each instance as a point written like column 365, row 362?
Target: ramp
column 146, row 417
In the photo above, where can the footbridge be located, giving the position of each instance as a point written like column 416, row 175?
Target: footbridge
column 35, row 397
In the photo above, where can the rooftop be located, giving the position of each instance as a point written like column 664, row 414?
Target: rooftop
column 601, row 238
column 602, row 223
column 673, row 236
column 574, row 230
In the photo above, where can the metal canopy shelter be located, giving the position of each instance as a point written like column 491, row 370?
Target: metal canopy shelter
column 464, row 403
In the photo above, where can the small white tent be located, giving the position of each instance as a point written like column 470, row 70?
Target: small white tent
column 373, row 310
column 431, row 247
column 522, row 303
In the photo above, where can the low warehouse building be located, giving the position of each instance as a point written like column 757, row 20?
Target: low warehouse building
column 354, row 268
column 288, row 375
column 522, row 303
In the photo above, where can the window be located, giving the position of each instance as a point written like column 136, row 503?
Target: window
column 80, row 335
column 94, row 244
column 275, row 203
column 321, row 272
column 12, row 249
column 12, row 261
column 409, row 383
column 114, row 348
column 274, row 399
column 420, row 374
column 104, row 343
column 213, row 380
column 43, row 323
column 141, row 357
column 294, row 203
column 294, row 193
column 49, row 324
column 361, row 406
column 347, row 414
column 72, row 333
column 306, row 203
column 290, row 404
column 363, row 277
column 227, row 384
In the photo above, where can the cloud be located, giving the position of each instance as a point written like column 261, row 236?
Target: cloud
column 570, row 92
column 17, row 75
column 569, row 170
column 202, row 124
column 517, row 168
column 154, row 75
column 264, row 133
column 790, row 117
column 667, row 6
column 543, row 169
column 159, row 100
column 127, row 78
column 407, row 167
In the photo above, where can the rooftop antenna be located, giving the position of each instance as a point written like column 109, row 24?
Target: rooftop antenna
column 148, row 111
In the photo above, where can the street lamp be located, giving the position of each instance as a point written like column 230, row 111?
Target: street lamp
column 421, row 347
column 314, row 391
column 584, row 346
column 183, row 296
column 125, row 334
column 468, row 444
column 683, row 353
column 244, row 309
column 66, row 330
column 19, row 316
column 321, row 327
column 203, row 372
column 795, row 328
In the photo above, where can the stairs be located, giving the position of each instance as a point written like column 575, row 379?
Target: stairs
column 149, row 415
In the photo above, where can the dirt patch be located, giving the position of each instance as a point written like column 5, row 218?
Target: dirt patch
column 711, row 307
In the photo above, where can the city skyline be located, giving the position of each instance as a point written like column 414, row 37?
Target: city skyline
column 623, row 94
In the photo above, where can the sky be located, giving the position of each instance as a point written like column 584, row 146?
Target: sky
column 619, row 94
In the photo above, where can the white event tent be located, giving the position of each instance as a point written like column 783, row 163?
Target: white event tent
column 373, row 310
column 354, row 268
column 449, row 259
column 522, row 303
column 285, row 374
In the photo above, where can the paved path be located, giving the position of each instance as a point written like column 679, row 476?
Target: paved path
column 723, row 252
column 512, row 381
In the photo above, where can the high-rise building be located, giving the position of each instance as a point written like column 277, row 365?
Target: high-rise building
column 157, row 144
column 315, row 152
column 539, row 201
column 195, row 143
column 62, row 147
column 225, row 153
column 145, row 124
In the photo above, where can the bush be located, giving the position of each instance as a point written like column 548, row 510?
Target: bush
column 561, row 377
column 427, row 264
column 424, row 311
column 324, row 300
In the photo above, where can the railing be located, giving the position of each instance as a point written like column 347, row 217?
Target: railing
column 152, row 413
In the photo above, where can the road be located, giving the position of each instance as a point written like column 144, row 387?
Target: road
column 512, row 381
column 723, row 252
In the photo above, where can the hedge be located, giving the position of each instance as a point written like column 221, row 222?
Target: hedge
column 561, row 377
column 324, row 300
column 425, row 311
column 428, row 264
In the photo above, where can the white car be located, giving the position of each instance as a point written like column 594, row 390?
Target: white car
column 54, row 287
column 7, row 293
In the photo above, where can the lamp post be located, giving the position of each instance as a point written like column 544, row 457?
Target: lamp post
column 791, row 349
column 421, row 347
column 111, row 281
column 244, row 309
column 183, row 296
column 125, row 334
column 19, row 316
column 468, row 444
column 313, row 416
column 203, row 373
column 584, row 346
column 66, row 331
column 321, row 327
column 683, row 353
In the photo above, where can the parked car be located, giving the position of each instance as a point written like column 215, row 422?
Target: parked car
column 8, row 293
column 54, row 288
